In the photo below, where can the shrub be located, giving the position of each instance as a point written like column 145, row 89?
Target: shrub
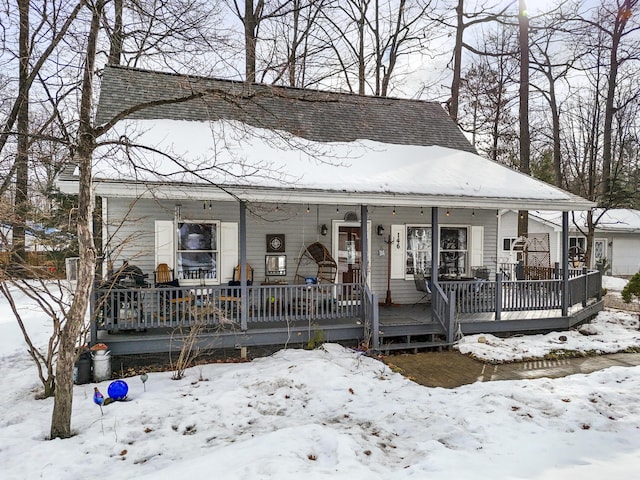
column 631, row 288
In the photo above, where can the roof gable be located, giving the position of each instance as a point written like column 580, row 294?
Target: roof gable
column 309, row 114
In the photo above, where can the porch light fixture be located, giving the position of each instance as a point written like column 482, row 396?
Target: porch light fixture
column 308, row 209
column 421, row 211
column 380, row 229
column 394, row 211
column 448, row 213
column 324, row 230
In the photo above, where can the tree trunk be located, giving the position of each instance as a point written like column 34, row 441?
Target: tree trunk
column 457, row 63
column 523, row 22
column 61, row 418
column 624, row 12
column 115, row 52
column 555, row 119
column 250, row 34
column 22, row 155
column 361, row 64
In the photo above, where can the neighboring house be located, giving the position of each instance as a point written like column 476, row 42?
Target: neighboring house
column 616, row 243
column 311, row 186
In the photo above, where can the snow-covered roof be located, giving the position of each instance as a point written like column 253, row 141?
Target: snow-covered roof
column 613, row 220
column 260, row 164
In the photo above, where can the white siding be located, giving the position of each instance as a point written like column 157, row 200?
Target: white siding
column 625, row 256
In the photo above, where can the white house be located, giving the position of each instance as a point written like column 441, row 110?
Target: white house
column 616, row 243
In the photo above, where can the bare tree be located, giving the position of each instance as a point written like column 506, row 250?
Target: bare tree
column 553, row 59
column 369, row 40
column 22, row 156
column 251, row 15
column 617, row 31
column 474, row 19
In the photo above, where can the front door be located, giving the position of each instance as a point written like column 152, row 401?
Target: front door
column 349, row 254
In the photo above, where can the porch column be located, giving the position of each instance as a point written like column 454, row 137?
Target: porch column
column 364, row 220
column 364, row 254
column 244, row 301
column 435, row 242
column 565, row 263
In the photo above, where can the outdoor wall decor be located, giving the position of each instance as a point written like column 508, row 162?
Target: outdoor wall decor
column 275, row 243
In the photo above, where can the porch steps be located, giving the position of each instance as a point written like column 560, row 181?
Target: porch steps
column 411, row 336
column 412, row 346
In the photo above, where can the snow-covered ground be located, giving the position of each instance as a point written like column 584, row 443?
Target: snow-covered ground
column 332, row 413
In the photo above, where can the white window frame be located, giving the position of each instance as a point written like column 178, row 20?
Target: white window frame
column 511, row 240
column 409, row 275
column 212, row 275
column 604, row 243
column 466, row 251
column 408, row 270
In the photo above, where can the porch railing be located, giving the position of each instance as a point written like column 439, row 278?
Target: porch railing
column 137, row 308
column 443, row 308
column 482, row 296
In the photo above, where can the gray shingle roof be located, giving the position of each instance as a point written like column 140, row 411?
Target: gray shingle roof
column 311, row 114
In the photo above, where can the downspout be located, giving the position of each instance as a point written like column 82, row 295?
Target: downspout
column 244, row 301
column 565, row 263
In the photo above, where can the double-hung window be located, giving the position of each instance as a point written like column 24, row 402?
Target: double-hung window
column 453, row 251
column 197, row 252
column 418, row 250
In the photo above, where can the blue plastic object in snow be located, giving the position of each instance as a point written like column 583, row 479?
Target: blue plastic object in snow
column 118, row 390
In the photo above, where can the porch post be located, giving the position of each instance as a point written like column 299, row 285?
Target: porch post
column 435, row 242
column 565, row 264
column 244, row 301
column 364, row 255
column 498, row 306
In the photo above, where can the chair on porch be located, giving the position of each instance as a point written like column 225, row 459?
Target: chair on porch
column 178, row 301
column 233, row 295
column 422, row 285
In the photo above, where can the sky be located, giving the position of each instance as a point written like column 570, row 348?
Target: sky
column 332, row 413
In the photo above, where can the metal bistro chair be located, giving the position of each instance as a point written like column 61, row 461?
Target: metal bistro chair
column 422, row 285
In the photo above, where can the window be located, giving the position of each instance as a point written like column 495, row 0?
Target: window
column 599, row 249
column 197, row 250
column 418, row 249
column 507, row 243
column 579, row 242
column 453, row 255
column 453, row 250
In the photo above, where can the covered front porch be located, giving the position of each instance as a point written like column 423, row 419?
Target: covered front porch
column 149, row 320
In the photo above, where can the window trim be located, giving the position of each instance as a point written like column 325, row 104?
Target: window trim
column 467, row 251
column 216, row 253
